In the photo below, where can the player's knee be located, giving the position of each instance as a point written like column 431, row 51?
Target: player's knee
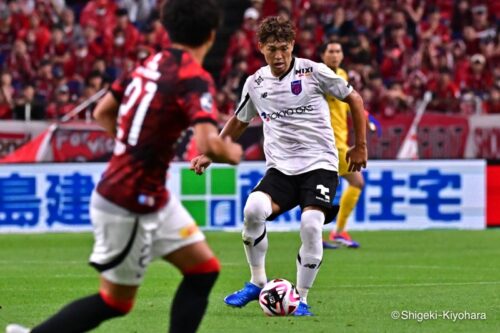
column 123, row 306
column 257, row 208
column 311, row 225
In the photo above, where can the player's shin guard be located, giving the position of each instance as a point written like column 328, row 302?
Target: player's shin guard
column 191, row 299
column 311, row 251
column 84, row 314
column 257, row 209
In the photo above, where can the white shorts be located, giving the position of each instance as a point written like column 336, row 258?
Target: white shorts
column 125, row 244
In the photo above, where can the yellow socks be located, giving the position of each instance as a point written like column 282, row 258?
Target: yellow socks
column 348, row 201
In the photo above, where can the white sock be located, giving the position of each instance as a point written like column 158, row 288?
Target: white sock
column 257, row 209
column 311, row 251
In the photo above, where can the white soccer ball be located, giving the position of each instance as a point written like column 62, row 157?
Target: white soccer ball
column 279, row 297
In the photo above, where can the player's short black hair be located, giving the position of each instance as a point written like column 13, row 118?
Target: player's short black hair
column 324, row 46
column 276, row 28
column 190, row 22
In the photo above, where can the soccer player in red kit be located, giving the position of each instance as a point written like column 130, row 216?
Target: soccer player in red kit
column 135, row 218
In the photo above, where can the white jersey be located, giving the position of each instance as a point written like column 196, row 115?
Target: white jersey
column 298, row 135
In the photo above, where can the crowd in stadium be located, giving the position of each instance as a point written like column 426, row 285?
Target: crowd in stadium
column 55, row 54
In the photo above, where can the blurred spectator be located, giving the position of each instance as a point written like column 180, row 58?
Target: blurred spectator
column 461, row 63
column 258, row 4
column 480, row 21
column 6, row 96
column 392, row 65
column 492, row 104
column 19, row 62
column 413, row 11
column 72, row 31
column 19, row 18
column 433, row 27
column 59, row 49
column 95, row 42
column 415, row 86
column 61, row 105
column 395, row 101
column 80, row 62
column 155, row 35
column 462, row 16
column 99, row 14
column 130, row 32
column 36, row 37
column 479, row 79
column 27, row 107
column 138, row 11
column 44, row 80
column 444, row 92
column 7, row 34
column 373, row 93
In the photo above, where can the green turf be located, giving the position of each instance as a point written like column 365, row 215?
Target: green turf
column 356, row 290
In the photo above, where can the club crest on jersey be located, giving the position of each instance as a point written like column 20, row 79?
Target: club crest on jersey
column 206, row 102
column 296, row 87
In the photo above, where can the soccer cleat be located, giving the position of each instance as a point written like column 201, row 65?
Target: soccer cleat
column 303, row 310
column 343, row 239
column 329, row 246
column 240, row 298
column 14, row 328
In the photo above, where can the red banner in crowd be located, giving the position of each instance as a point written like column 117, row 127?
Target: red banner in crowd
column 442, row 136
column 81, row 145
column 484, row 138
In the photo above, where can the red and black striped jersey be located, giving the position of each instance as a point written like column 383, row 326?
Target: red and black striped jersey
column 158, row 101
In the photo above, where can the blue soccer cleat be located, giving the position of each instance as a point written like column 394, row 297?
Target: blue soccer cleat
column 329, row 246
column 303, row 310
column 343, row 239
column 240, row 298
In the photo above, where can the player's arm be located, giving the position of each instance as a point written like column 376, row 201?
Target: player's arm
column 231, row 132
column 214, row 146
column 331, row 83
column 233, row 128
column 106, row 113
column 358, row 154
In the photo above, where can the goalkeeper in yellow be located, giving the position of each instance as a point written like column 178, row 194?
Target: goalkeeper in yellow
column 332, row 56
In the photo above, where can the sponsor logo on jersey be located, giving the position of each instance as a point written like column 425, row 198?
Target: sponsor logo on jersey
column 264, row 95
column 296, row 87
column 259, row 80
column 304, row 71
column 286, row 112
column 188, row 230
column 206, row 102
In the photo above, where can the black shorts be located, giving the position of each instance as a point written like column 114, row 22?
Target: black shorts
column 313, row 188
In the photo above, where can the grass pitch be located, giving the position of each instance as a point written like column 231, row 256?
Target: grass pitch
column 427, row 277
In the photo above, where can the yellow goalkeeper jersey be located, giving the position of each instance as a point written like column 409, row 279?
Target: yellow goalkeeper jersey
column 338, row 115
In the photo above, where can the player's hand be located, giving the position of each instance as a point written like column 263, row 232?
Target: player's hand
column 200, row 163
column 357, row 157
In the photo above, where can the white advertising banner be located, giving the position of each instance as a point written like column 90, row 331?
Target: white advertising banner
column 399, row 195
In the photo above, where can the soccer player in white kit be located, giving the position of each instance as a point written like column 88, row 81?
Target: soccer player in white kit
column 301, row 156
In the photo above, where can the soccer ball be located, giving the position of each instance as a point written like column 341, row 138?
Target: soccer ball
column 279, row 297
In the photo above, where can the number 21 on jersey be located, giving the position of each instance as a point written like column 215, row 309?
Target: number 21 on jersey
column 139, row 92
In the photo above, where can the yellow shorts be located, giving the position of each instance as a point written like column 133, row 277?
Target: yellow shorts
column 343, row 166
